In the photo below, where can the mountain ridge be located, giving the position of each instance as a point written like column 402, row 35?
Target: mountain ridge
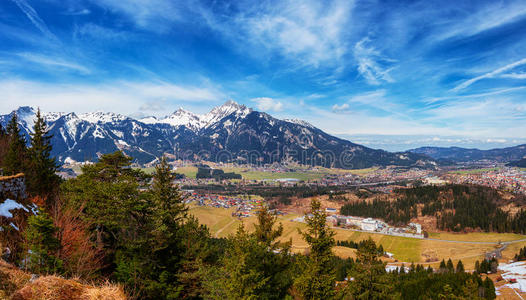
column 229, row 133
column 459, row 154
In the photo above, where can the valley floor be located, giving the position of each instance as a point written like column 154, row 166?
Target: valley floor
column 468, row 247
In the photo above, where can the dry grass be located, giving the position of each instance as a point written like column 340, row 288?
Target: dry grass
column 404, row 249
column 15, row 285
column 106, row 292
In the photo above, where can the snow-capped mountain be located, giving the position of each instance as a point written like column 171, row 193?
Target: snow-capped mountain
column 230, row 132
column 180, row 117
column 195, row 122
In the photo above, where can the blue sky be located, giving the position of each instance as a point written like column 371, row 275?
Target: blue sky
column 388, row 74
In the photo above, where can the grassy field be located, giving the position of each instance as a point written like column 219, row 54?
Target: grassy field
column 477, row 236
column 248, row 174
column 475, row 171
column 222, row 224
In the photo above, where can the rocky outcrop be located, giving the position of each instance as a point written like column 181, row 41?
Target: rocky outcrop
column 13, row 187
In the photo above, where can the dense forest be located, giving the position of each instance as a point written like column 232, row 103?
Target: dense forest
column 456, row 208
column 117, row 223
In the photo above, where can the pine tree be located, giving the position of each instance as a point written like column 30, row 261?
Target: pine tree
column 370, row 278
column 42, row 180
column 318, row 279
column 255, row 265
column 150, row 262
column 442, row 268
column 449, row 266
column 460, row 267
column 43, row 244
column 15, row 159
column 170, row 209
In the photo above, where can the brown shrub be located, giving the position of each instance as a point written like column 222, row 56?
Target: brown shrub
column 78, row 252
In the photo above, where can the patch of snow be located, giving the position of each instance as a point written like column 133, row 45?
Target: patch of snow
column 69, row 160
column 123, row 143
column 517, row 271
column 97, row 133
column 102, row 117
column 8, row 205
column 14, row 226
column 299, row 122
column 230, row 107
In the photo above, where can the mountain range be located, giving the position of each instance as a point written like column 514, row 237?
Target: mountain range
column 458, row 154
column 228, row 133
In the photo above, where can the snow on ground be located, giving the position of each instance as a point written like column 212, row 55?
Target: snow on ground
column 8, row 205
column 517, row 271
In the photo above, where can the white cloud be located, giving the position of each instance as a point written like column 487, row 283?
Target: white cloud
column 155, row 15
column 491, row 74
column 371, row 63
column 53, row 62
column 514, row 75
column 33, row 16
column 124, row 97
column 268, row 104
column 343, row 108
column 493, row 15
column 100, row 32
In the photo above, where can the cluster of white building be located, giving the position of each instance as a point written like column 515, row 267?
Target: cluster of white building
column 413, row 230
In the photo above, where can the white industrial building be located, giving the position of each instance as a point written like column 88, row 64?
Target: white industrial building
column 369, row 224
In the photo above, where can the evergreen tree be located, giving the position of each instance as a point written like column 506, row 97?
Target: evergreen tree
column 42, row 179
column 443, row 267
column 450, row 267
column 317, row 281
column 370, row 278
column 16, row 155
column 255, row 265
column 43, row 245
column 107, row 193
column 150, row 262
column 460, row 267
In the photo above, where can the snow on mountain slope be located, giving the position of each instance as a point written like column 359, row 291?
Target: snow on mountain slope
column 102, row 117
column 220, row 112
column 230, row 132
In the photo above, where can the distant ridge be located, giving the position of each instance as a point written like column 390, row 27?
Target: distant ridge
column 458, row 154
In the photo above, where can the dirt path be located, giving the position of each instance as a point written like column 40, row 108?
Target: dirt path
column 223, row 228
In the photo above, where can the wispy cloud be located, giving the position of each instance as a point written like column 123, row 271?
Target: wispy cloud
column 372, row 65
column 491, row 74
column 487, row 17
column 33, row 16
column 514, row 75
column 268, row 104
column 79, row 12
column 100, row 32
column 155, row 15
column 53, row 62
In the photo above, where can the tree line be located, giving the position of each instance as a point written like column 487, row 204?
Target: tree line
column 456, row 208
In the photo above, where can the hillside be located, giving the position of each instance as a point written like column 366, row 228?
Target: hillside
column 458, row 154
column 519, row 163
column 452, row 207
column 228, row 133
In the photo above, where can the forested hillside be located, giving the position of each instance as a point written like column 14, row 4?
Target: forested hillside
column 455, row 207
